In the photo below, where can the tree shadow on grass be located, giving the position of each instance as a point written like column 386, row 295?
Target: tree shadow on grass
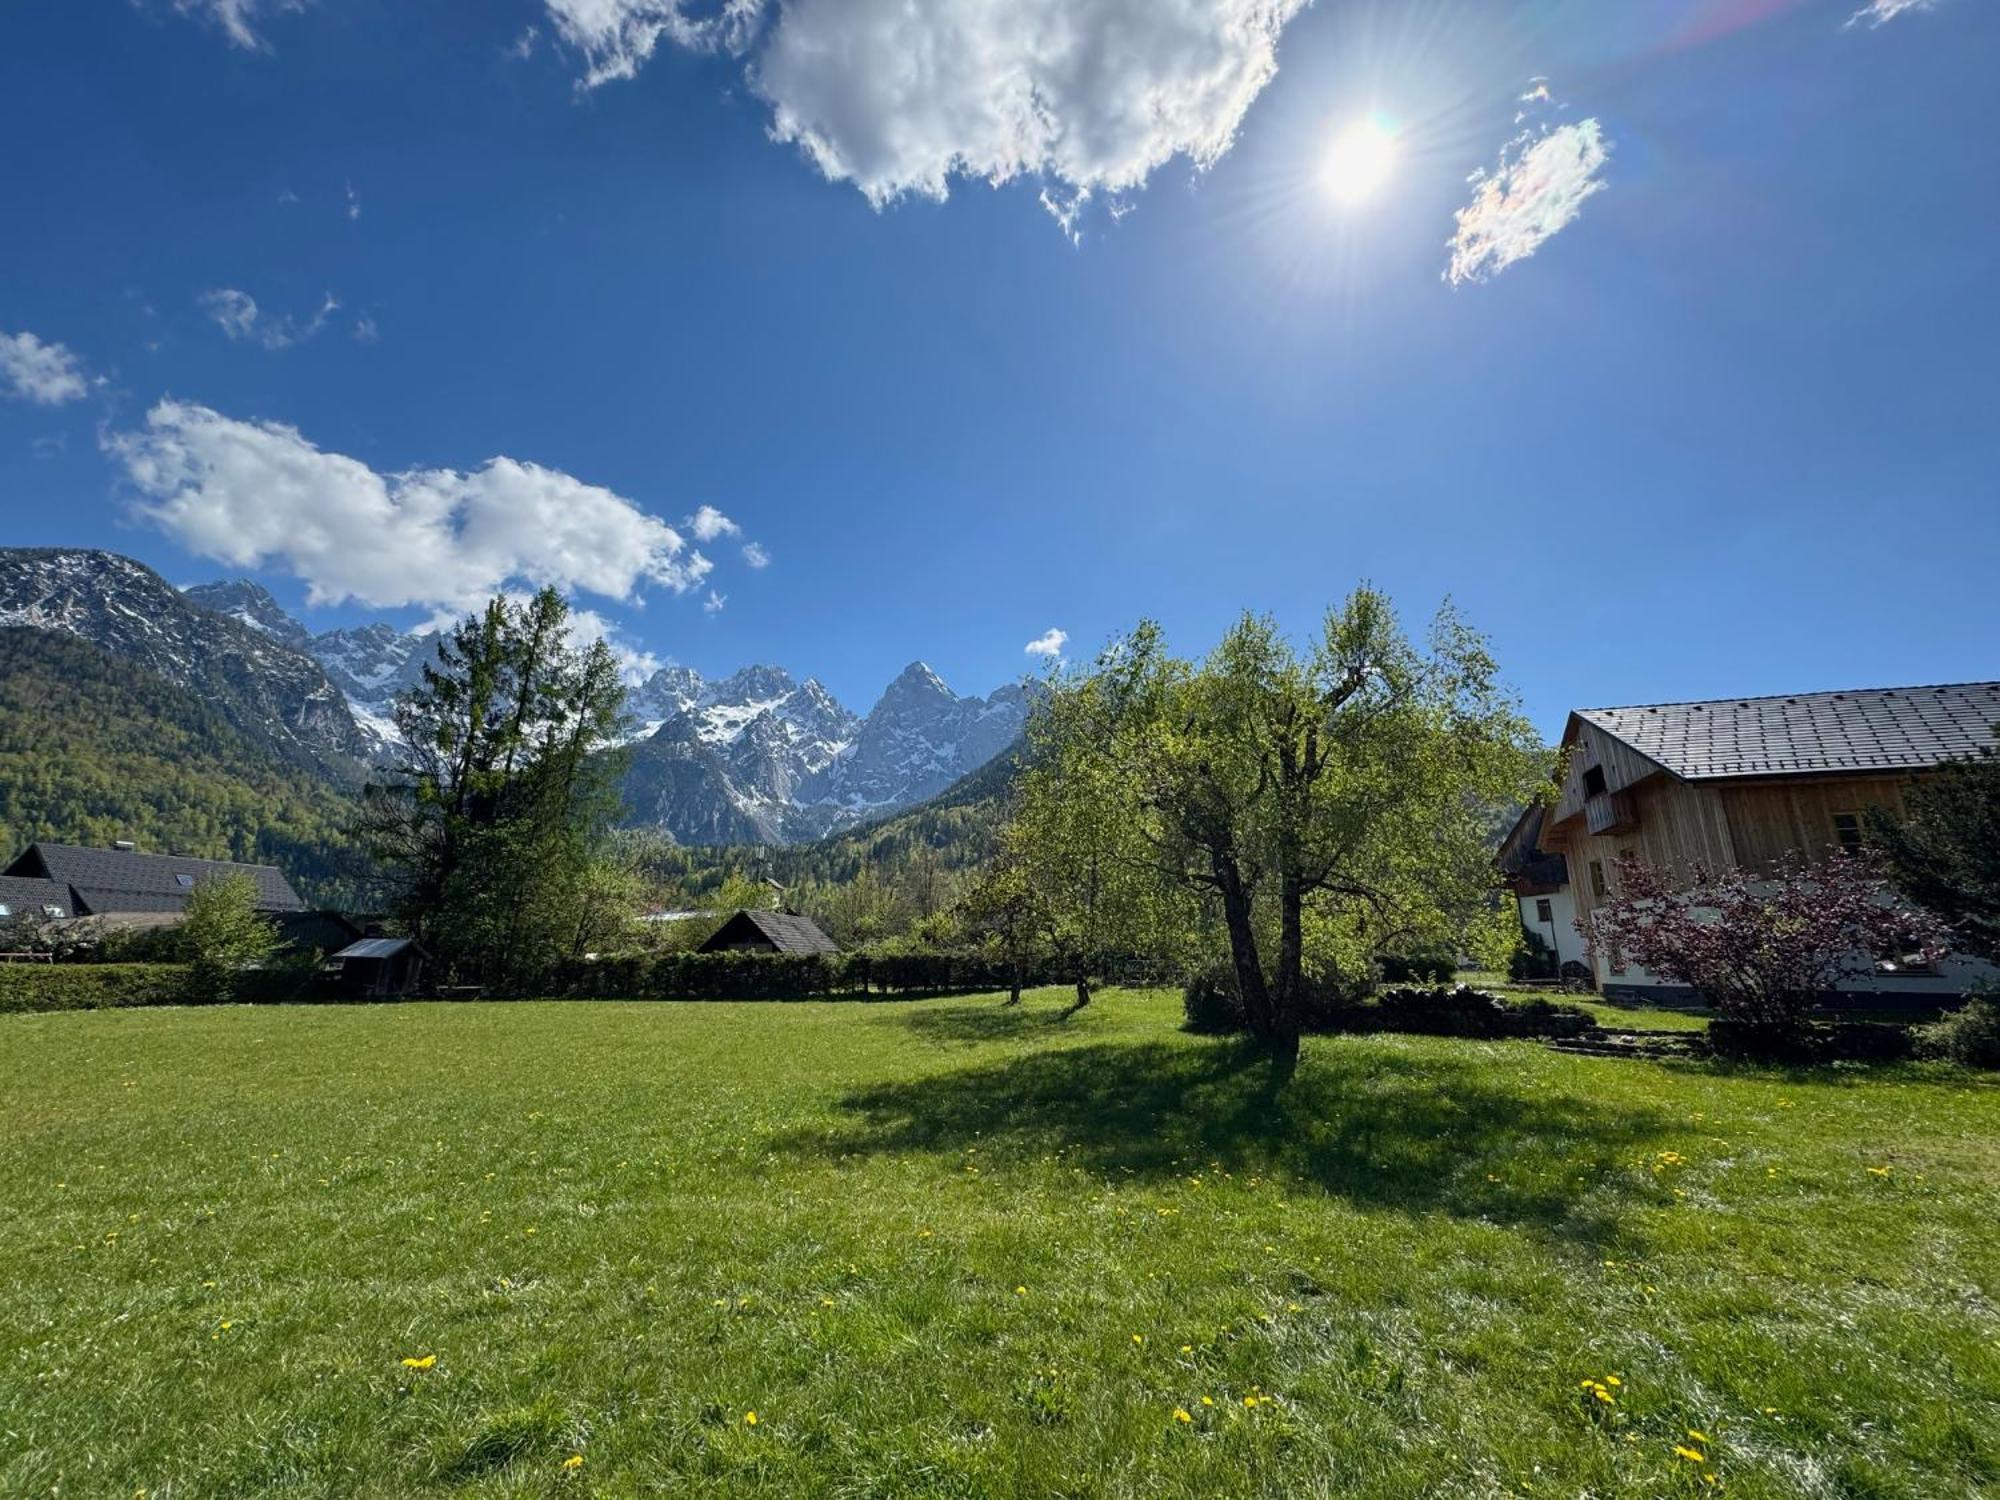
column 1417, row 1133
column 969, row 1024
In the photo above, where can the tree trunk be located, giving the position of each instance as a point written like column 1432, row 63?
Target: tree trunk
column 1250, row 987
column 1014, row 984
column 1289, row 999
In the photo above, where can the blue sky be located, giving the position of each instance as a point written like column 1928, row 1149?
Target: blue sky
column 1722, row 424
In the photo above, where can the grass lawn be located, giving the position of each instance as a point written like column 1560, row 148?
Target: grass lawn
column 949, row 1249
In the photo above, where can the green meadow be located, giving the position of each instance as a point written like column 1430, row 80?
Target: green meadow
column 953, row 1249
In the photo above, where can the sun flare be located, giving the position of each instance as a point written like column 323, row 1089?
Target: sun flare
column 1361, row 159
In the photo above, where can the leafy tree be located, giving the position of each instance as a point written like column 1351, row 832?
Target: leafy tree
column 489, row 830
column 1763, row 947
column 224, row 934
column 999, row 911
column 1945, row 852
column 1318, row 804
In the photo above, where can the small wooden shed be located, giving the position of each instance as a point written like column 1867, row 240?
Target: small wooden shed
column 769, row 932
column 379, row 968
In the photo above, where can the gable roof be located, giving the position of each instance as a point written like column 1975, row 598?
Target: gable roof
column 124, row 880
column 1524, row 861
column 786, row 931
column 1856, row 731
column 27, row 897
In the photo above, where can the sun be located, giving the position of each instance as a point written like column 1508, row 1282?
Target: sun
column 1361, row 159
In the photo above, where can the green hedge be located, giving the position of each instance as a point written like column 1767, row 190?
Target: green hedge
column 46, row 987
column 774, row 976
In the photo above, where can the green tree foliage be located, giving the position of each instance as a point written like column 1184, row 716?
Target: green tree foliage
column 1944, row 853
column 224, row 934
column 94, row 749
column 1319, row 805
column 490, row 832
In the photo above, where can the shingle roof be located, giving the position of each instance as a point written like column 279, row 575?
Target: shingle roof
column 124, row 880
column 786, row 931
column 26, row 897
column 1871, row 729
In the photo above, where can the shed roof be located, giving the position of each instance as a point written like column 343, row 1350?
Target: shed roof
column 381, row 947
column 121, row 880
column 1855, row 731
column 786, row 931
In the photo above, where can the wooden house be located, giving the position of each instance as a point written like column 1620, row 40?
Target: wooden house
column 1743, row 782
column 769, row 932
column 1540, row 883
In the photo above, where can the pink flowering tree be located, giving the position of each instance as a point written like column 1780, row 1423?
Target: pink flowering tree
column 1764, row 947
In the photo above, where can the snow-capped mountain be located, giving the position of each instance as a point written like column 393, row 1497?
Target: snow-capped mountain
column 761, row 758
column 257, row 677
column 370, row 664
column 755, row 757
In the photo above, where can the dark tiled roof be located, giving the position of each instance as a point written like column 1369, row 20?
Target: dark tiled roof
column 1871, row 729
column 120, row 880
column 26, row 897
column 786, row 931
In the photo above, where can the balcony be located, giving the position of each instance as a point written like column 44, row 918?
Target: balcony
column 1610, row 812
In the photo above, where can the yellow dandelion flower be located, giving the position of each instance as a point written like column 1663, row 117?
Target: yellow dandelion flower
column 749, row 1419
column 1181, row 1414
column 424, row 1362
column 1690, row 1455
column 1249, row 1400
column 1699, row 1437
column 1138, row 1338
column 1208, row 1400
column 1878, row 1171
column 1020, row 1291
column 574, row 1461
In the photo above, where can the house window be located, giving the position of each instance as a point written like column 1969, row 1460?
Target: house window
column 1593, row 781
column 1598, row 890
column 52, row 911
column 1543, row 911
column 6, row 910
column 1847, row 832
column 185, row 882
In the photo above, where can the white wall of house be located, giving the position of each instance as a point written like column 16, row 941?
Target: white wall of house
column 1558, row 930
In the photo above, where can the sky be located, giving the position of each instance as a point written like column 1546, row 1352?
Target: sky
column 1660, row 338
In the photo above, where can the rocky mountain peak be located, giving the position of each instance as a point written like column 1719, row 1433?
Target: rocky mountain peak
column 250, row 602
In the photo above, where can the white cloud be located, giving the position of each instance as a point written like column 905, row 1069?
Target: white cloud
column 257, row 494
column 713, row 604
column 238, row 316
column 353, row 202
column 366, row 330
column 1539, row 186
column 1881, row 12
column 617, row 36
column 1048, row 645
column 1090, row 96
column 635, row 663
column 708, row 523
column 47, row 374
column 235, row 16
column 756, row 555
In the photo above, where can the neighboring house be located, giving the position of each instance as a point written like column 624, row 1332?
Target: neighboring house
column 1743, row 782
column 145, row 887
column 769, row 932
column 33, row 898
column 1540, row 883
column 316, row 931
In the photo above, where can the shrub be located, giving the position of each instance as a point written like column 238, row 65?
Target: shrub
column 1970, row 1035
column 26, row 988
column 1847, row 1041
column 1209, row 1003
column 1763, row 949
column 1398, row 969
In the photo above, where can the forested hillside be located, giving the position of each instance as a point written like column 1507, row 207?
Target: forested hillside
column 93, row 748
